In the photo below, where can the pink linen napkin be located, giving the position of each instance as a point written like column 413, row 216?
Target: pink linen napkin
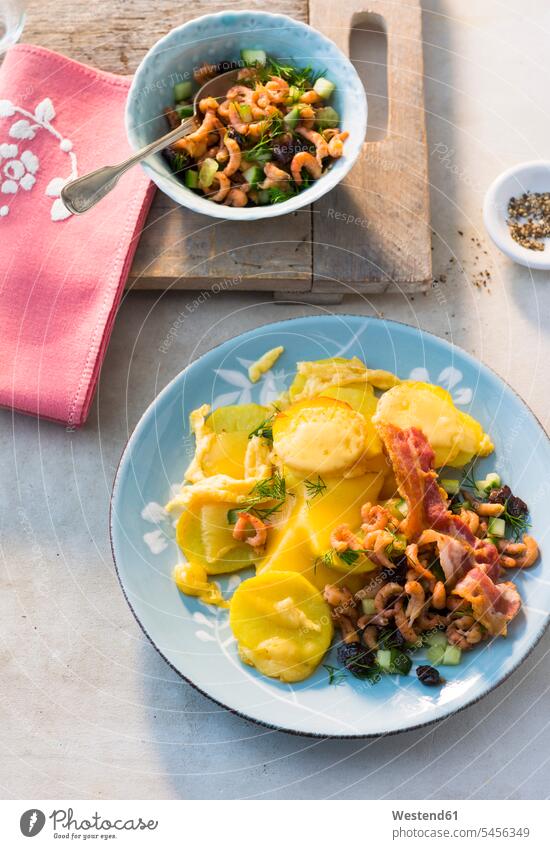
column 61, row 276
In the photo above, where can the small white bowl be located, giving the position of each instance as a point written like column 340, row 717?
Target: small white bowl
column 220, row 37
column 526, row 177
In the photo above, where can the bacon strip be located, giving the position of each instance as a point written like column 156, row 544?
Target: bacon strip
column 412, row 460
column 493, row 605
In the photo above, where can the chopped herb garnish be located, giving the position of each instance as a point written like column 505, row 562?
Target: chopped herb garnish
column 264, row 429
column 350, row 556
column 273, row 488
column 315, row 488
column 326, row 559
column 519, row 525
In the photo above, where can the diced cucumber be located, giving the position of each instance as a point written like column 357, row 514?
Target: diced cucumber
column 368, row 605
column 191, row 179
column 245, row 112
column 182, row 91
column 491, row 481
column 294, row 94
column 496, row 527
column 450, row 485
column 292, row 118
column 437, row 638
column 383, row 659
column 207, row 172
column 393, row 661
column 435, row 654
column 253, row 175
column 257, row 157
column 184, row 110
column 327, row 118
column 254, row 57
column 466, row 505
column 402, row 507
column 324, row 88
column 263, row 197
column 452, row 656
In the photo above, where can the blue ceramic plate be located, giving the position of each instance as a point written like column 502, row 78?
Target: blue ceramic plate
column 196, row 640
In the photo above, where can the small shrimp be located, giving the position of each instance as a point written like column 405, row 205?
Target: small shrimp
column 341, row 600
column 404, row 625
column 336, row 145
column 245, row 95
column 383, row 596
column 304, row 159
column 275, row 176
column 247, row 522
column 531, row 553
column 321, row 147
column 411, row 553
column 370, row 637
column 417, row 598
column 374, row 517
column 235, row 155
column 377, row 542
column 236, row 197
column 224, row 183
column 465, row 632
column 210, row 123
column 222, row 155
column 310, row 97
column 343, row 539
column 471, row 519
column 429, row 621
column 276, row 89
column 439, row 596
column 307, row 117
column 488, row 509
column 348, row 629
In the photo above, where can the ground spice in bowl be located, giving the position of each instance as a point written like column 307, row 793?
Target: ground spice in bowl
column 529, row 219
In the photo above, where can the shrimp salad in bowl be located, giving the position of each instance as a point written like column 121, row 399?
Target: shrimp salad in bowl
column 355, row 498
column 269, row 138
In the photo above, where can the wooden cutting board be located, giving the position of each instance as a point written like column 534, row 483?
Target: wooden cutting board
column 371, row 234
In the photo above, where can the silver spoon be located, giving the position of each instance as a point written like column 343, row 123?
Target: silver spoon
column 81, row 194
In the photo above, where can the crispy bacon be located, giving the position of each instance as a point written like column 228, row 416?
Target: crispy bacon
column 412, row 459
column 493, row 605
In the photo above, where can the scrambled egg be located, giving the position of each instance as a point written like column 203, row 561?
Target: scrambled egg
column 455, row 437
column 282, row 625
column 262, row 365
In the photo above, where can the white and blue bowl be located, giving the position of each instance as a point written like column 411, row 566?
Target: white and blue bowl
column 196, row 639
column 220, row 37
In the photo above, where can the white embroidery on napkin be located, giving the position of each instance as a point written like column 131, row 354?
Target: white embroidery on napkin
column 19, row 165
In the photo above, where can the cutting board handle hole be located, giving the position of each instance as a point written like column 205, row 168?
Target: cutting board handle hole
column 368, row 51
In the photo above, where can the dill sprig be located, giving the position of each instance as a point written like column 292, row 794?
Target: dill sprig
column 519, row 525
column 273, row 488
column 315, row 488
column 265, row 428
column 326, row 559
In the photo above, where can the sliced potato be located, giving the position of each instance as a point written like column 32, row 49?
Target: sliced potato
column 282, row 625
column 206, row 538
column 320, row 436
column 232, row 426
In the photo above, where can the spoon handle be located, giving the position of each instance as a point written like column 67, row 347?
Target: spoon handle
column 81, row 194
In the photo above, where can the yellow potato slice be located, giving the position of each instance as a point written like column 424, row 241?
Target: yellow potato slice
column 301, row 537
column 282, row 625
column 206, row 538
column 455, row 437
column 320, row 435
column 231, row 426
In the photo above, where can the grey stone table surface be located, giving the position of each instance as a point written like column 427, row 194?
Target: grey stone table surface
column 87, row 707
